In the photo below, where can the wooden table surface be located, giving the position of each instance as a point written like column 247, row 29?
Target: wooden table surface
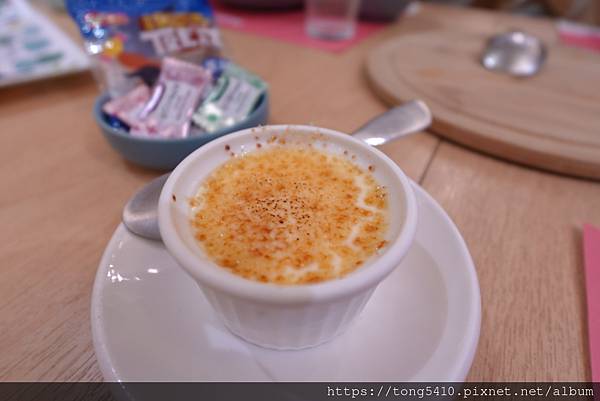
column 64, row 188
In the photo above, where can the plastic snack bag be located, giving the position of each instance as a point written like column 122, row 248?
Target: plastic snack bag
column 128, row 39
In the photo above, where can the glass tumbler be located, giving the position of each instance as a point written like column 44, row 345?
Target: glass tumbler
column 331, row 19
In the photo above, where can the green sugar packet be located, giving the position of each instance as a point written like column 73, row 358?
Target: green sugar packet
column 231, row 100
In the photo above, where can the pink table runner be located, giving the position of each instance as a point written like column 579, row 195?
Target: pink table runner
column 287, row 26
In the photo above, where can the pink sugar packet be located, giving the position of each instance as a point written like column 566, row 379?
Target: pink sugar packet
column 591, row 252
column 128, row 107
column 180, row 88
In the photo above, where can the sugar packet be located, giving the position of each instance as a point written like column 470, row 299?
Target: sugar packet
column 231, row 100
column 180, row 88
column 127, row 108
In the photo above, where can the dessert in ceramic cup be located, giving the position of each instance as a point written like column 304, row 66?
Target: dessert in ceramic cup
column 286, row 303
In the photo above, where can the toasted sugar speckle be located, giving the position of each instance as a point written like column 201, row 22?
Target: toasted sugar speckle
column 290, row 215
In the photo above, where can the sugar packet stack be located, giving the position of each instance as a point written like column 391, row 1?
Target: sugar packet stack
column 187, row 99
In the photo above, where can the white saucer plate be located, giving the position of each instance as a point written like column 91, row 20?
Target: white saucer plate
column 151, row 322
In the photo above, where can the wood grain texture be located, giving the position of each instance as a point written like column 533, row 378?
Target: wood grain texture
column 523, row 228
column 551, row 120
column 64, row 187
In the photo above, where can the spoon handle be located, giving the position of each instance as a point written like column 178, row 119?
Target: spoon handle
column 400, row 121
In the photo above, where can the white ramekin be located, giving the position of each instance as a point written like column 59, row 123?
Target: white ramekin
column 271, row 315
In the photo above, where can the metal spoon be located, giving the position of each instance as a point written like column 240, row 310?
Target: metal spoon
column 516, row 53
column 140, row 214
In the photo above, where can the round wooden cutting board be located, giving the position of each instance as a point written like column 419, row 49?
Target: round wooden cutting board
column 551, row 120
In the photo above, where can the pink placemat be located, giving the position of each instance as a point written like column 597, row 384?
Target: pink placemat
column 287, row 26
column 579, row 35
column 591, row 251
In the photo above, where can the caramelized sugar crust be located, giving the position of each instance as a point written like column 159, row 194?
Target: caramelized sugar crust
column 290, row 215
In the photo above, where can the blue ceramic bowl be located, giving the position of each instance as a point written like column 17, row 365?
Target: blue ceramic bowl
column 165, row 154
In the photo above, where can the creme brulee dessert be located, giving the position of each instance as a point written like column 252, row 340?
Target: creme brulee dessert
column 290, row 215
